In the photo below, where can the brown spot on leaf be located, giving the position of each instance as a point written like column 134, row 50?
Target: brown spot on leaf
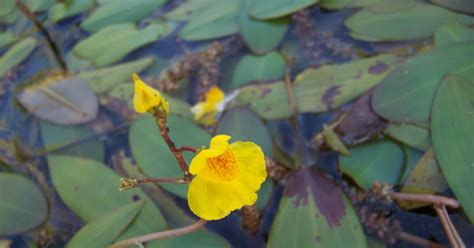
column 76, row 188
column 265, row 92
column 318, row 238
column 328, row 97
column 136, row 198
column 326, row 194
column 378, row 68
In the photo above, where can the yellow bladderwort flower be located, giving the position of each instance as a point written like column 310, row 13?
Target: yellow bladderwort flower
column 227, row 177
column 146, row 98
column 206, row 112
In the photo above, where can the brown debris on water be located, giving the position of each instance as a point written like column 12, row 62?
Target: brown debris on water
column 251, row 219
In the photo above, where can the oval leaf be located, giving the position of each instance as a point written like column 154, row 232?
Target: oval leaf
column 105, row 230
column 382, row 162
column 66, row 101
column 90, row 189
column 407, row 93
column 278, row 8
column 452, row 126
column 453, row 33
column 466, row 6
column 258, row 68
column 411, row 135
column 62, row 10
column 16, row 54
column 401, row 20
column 152, row 153
column 22, row 204
column 260, row 36
column 314, row 212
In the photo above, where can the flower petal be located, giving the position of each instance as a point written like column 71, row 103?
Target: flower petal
column 145, row 97
column 219, row 144
column 215, row 94
column 213, row 200
column 251, row 161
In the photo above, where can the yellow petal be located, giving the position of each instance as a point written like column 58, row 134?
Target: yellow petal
column 251, row 161
column 219, row 145
column 213, row 200
column 215, row 94
column 145, row 97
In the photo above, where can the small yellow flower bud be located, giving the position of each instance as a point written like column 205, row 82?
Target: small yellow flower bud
column 145, row 98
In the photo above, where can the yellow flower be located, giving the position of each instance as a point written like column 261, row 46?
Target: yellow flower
column 206, row 112
column 145, row 97
column 227, row 177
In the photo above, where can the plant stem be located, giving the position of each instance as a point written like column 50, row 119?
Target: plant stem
column 161, row 122
column 453, row 235
column 418, row 241
column 160, row 235
column 162, row 180
column 187, row 149
column 433, row 199
column 30, row 15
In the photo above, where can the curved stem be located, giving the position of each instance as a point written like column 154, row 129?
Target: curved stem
column 433, row 199
column 161, row 235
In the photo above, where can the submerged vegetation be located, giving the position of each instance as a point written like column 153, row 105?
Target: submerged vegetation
column 282, row 123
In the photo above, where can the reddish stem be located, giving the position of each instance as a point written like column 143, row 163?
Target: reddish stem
column 187, row 149
column 433, row 199
column 161, row 180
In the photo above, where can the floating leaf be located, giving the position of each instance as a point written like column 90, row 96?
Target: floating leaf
column 216, row 20
column 314, row 212
column 339, row 4
column 260, row 36
column 466, row 6
column 258, row 68
column 103, row 80
column 124, row 92
column 61, row 10
column 264, row 194
column 76, row 140
column 39, row 5
column 185, row 11
column 411, row 135
column 381, row 161
column 407, row 93
column 452, row 132
column 243, row 124
column 16, row 54
column 6, row 39
column 152, row 154
column 103, row 231
column 412, row 157
column 401, row 20
column 198, row 239
column 114, row 42
column 278, row 8
column 334, row 142
column 119, row 11
column 317, row 90
column 7, row 7
column 426, row 178
column 65, row 101
column 90, row 189
column 453, row 33
column 22, row 204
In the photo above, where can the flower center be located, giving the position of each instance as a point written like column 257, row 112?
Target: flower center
column 224, row 166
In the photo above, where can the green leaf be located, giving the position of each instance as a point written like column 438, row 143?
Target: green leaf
column 258, row 68
column 119, row 11
column 16, row 54
column 72, row 141
column 317, row 90
column 185, row 11
column 381, row 161
column 339, row 4
column 466, row 6
column 411, row 135
column 90, row 189
column 65, row 101
column 7, row 7
column 114, row 42
column 153, row 155
column 407, row 93
column 278, row 8
column 103, row 80
column 39, row 5
column 264, row 194
column 216, row 20
column 426, row 178
column 452, row 132
column 401, row 20
column 124, row 92
column 62, row 10
column 103, row 231
column 22, row 204
column 314, row 212
column 6, row 39
column 260, row 36
column 198, row 239
column 453, row 33
column 333, row 141
column 244, row 125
